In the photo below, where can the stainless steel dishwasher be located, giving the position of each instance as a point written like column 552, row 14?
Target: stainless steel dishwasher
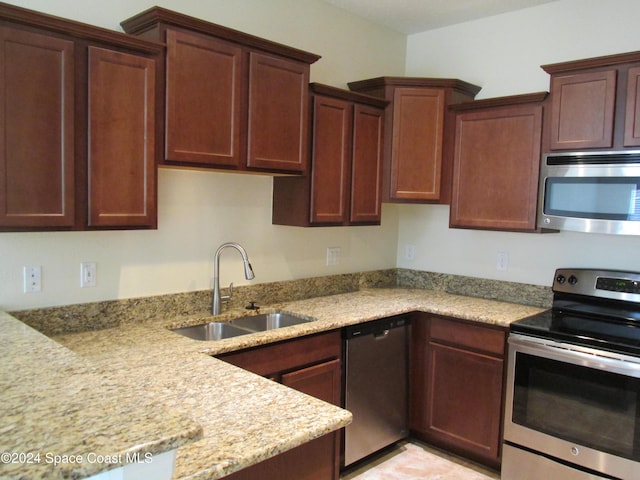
column 376, row 362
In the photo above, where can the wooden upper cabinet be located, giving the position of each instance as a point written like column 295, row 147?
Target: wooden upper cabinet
column 278, row 127
column 594, row 104
column 37, row 124
column 78, row 126
column 418, row 149
column 582, row 110
column 497, row 159
column 343, row 186
column 331, row 153
column 204, row 99
column 632, row 109
column 366, row 165
column 121, row 157
column 233, row 101
column 416, row 153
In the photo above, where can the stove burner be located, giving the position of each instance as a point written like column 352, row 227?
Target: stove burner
column 599, row 309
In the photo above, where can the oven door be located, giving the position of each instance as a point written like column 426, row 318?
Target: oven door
column 574, row 404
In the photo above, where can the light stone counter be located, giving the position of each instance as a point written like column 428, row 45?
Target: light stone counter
column 246, row 418
column 56, row 408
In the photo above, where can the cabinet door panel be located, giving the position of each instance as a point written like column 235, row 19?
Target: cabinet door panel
column 121, row 164
column 320, row 381
column 632, row 117
column 331, row 159
column 495, row 180
column 416, row 157
column 366, row 165
column 204, row 98
column 582, row 110
column 37, row 121
column 278, row 106
column 315, row 460
column 463, row 381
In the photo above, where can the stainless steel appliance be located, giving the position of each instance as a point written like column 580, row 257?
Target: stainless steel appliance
column 573, row 382
column 597, row 192
column 375, row 386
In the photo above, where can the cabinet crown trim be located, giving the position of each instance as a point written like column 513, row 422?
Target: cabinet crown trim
column 595, row 62
column 537, row 97
column 151, row 17
column 452, row 83
column 71, row 28
column 321, row 89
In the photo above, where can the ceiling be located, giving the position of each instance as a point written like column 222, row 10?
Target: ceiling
column 413, row 16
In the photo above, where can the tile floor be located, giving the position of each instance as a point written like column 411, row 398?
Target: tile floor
column 416, row 461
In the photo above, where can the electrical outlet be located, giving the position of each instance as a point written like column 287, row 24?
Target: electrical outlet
column 502, row 263
column 409, row 252
column 32, row 278
column 333, row 256
column 88, row 274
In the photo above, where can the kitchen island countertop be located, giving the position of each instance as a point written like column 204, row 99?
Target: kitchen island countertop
column 245, row 418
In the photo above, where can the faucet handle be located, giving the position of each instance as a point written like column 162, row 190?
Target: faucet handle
column 227, row 298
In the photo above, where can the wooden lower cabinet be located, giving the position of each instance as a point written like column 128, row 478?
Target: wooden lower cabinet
column 310, row 365
column 457, row 386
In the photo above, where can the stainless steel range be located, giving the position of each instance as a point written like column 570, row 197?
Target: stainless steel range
column 573, row 382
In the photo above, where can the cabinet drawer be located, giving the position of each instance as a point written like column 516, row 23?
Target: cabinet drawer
column 287, row 355
column 476, row 337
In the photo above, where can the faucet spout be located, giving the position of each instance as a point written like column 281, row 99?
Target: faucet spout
column 248, row 273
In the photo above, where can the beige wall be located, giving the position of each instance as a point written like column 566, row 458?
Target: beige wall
column 200, row 210
column 503, row 54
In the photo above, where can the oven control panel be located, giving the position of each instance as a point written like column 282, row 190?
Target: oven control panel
column 618, row 285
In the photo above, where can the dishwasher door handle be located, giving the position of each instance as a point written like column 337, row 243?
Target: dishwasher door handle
column 381, row 335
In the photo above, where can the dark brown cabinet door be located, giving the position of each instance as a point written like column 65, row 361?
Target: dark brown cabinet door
column 366, row 170
column 582, row 110
column 344, row 183
column 320, row 381
column 310, row 365
column 278, row 128
column 457, row 371
column 331, row 153
column 464, row 399
column 121, row 132
column 235, row 101
column 204, row 97
column 37, row 125
column 416, row 156
column 632, row 112
column 418, row 143
column 496, row 163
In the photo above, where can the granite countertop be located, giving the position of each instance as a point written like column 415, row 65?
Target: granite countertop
column 61, row 418
column 245, row 418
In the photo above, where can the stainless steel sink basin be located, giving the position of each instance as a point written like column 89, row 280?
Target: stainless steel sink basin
column 211, row 331
column 269, row 321
column 241, row 326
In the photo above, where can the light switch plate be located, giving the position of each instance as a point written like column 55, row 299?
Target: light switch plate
column 88, row 274
column 333, row 256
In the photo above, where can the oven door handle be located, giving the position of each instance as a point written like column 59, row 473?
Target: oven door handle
column 576, row 354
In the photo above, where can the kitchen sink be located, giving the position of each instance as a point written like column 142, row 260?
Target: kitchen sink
column 211, row 331
column 268, row 321
column 241, row 326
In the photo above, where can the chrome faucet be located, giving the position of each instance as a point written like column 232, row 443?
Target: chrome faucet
column 248, row 274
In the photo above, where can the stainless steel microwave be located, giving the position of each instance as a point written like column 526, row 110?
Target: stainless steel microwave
column 596, row 192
